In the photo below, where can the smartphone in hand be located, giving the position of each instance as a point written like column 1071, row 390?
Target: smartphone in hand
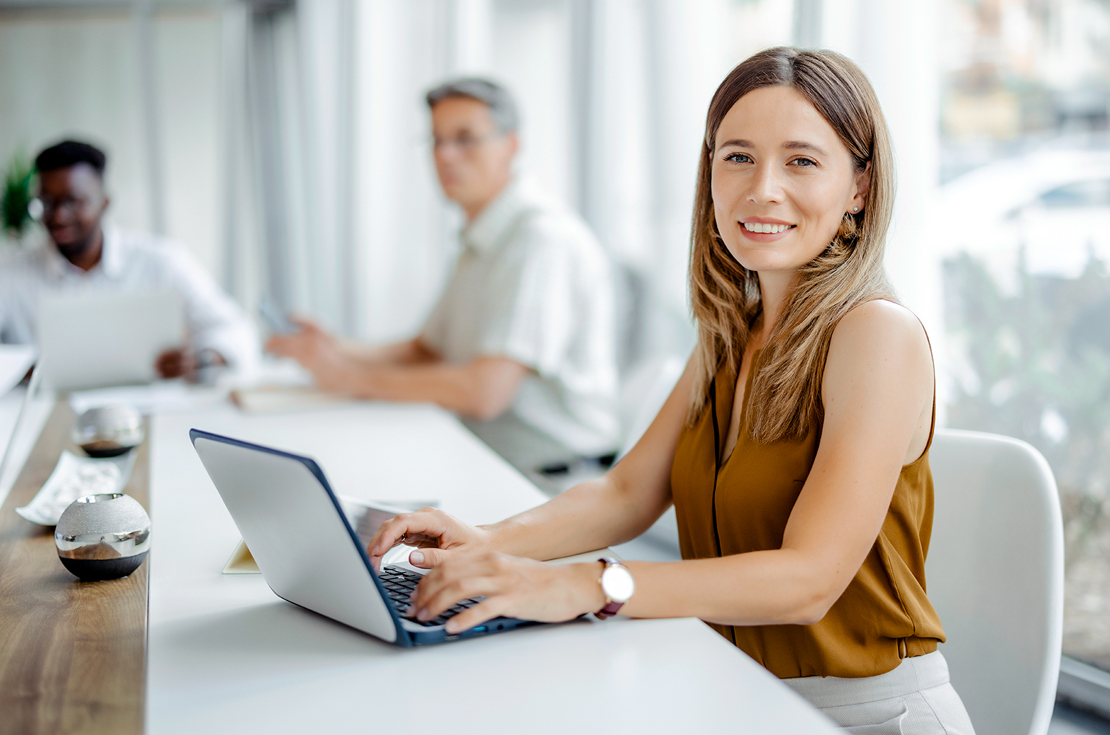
column 275, row 319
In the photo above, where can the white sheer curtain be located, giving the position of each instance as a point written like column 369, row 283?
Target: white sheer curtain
column 613, row 97
column 351, row 226
column 657, row 64
column 402, row 228
column 895, row 45
column 331, row 208
column 287, row 140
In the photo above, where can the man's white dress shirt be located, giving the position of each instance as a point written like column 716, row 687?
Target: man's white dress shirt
column 533, row 285
column 129, row 261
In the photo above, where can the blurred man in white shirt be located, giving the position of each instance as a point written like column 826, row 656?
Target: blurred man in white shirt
column 84, row 253
column 522, row 342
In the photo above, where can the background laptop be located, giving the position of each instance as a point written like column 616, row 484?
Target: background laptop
column 308, row 550
column 94, row 339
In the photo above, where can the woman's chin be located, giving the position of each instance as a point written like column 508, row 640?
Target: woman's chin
column 766, row 262
column 768, row 258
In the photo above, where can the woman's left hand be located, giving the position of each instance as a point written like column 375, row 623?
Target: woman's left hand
column 513, row 587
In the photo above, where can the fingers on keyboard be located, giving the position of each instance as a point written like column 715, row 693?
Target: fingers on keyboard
column 401, row 583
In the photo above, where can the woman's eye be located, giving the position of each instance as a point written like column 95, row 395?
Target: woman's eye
column 738, row 158
column 804, row 162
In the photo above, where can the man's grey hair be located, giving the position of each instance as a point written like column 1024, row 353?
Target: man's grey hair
column 502, row 108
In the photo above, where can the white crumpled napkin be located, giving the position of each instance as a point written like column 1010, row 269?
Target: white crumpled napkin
column 75, row 477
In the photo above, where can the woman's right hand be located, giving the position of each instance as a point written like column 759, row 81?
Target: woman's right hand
column 435, row 534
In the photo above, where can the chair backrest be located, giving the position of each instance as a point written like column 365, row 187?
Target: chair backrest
column 995, row 574
column 644, row 392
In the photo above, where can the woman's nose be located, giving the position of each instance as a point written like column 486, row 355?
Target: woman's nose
column 765, row 186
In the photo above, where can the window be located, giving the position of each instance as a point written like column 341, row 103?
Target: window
column 1025, row 213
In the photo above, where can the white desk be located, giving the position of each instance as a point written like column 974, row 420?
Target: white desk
column 227, row 656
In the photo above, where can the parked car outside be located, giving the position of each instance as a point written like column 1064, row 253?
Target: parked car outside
column 1051, row 207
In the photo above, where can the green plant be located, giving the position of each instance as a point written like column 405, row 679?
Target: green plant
column 17, row 195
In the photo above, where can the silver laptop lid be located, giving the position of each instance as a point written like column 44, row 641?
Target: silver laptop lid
column 90, row 339
column 296, row 530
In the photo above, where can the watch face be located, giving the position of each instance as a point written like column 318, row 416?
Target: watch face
column 617, row 583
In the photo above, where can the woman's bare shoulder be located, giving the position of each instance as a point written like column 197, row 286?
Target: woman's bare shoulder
column 881, row 323
column 879, row 337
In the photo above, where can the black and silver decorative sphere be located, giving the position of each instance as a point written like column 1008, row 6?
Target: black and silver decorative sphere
column 108, row 431
column 103, row 536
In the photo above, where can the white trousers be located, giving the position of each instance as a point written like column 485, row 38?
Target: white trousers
column 915, row 698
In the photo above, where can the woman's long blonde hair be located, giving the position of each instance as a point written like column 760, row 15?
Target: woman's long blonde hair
column 786, row 390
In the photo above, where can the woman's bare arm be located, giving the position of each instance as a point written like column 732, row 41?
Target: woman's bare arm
column 612, row 509
column 877, row 390
column 606, row 511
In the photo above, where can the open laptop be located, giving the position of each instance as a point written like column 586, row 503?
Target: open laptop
column 9, row 448
column 309, row 551
column 92, row 339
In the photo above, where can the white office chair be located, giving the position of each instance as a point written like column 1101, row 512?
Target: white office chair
column 644, row 393
column 995, row 575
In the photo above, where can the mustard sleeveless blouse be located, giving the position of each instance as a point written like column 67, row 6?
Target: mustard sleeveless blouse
column 883, row 615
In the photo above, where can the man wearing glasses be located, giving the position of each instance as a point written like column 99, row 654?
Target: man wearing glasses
column 521, row 342
column 86, row 253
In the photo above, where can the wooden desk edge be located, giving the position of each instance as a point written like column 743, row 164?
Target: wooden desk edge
column 72, row 654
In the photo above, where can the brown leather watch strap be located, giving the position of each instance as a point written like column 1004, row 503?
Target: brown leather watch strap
column 611, row 606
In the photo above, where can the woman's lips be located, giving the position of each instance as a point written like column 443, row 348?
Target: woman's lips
column 767, row 236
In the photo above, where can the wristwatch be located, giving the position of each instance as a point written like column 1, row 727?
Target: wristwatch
column 617, row 584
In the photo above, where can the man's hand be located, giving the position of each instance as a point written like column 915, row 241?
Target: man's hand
column 318, row 352
column 183, row 362
column 174, row 363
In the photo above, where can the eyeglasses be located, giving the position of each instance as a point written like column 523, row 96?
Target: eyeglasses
column 465, row 143
column 49, row 204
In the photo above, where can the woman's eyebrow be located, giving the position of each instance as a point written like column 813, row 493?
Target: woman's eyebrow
column 737, row 143
column 791, row 145
column 801, row 145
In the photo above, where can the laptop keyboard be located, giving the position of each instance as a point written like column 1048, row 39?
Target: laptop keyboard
column 400, row 583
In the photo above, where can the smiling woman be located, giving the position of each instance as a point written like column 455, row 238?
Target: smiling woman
column 794, row 447
column 833, row 188
column 755, row 178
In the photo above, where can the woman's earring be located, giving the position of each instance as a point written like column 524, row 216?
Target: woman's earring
column 855, row 209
